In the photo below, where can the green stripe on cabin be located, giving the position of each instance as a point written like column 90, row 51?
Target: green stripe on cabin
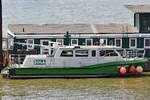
column 125, row 42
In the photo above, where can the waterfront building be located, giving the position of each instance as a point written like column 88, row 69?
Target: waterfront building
column 123, row 36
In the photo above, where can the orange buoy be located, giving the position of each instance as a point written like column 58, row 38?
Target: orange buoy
column 123, row 70
column 132, row 69
column 139, row 69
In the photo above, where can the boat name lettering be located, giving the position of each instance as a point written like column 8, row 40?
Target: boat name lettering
column 39, row 62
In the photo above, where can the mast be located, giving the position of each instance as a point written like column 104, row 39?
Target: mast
column 1, row 55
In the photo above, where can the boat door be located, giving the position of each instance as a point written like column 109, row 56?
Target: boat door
column 44, row 46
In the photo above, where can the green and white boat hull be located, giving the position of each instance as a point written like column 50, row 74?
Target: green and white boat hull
column 97, row 70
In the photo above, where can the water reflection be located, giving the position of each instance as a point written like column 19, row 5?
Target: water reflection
column 135, row 88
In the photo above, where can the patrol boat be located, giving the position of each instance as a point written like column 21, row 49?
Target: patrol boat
column 75, row 61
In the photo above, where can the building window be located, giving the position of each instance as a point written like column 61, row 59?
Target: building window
column 30, row 44
column 89, row 42
column 103, row 42
column 145, row 25
column 133, row 42
column 147, row 42
column 118, row 42
column 44, row 48
column 60, row 41
column 74, row 41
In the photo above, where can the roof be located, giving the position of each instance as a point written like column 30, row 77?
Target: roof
column 71, row 28
column 139, row 8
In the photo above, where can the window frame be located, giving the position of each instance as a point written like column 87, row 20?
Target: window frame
column 91, row 42
column 82, row 55
column 30, row 48
column 67, row 55
column 120, row 42
column 41, row 43
column 74, row 44
column 144, row 43
column 135, row 43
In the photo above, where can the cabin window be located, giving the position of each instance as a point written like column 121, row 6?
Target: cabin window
column 74, row 41
column 89, row 42
column 133, row 42
column 118, row 42
column 30, row 44
column 81, row 53
column 60, row 41
column 67, row 53
column 147, row 42
column 108, row 53
column 93, row 53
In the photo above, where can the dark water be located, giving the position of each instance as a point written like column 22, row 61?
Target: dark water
column 133, row 88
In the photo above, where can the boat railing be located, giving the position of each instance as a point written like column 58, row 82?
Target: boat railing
column 132, row 53
column 16, row 59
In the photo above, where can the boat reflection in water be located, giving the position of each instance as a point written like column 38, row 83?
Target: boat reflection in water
column 129, row 88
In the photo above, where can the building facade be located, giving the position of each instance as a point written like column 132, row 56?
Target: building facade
column 125, row 37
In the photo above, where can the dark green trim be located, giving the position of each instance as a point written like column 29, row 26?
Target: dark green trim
column 81, row 41
column 125, row 42
column 147, row 53
column 140, row 42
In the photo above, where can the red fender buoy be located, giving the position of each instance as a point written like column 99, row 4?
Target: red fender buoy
column 132, row 69
column 123, row 70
